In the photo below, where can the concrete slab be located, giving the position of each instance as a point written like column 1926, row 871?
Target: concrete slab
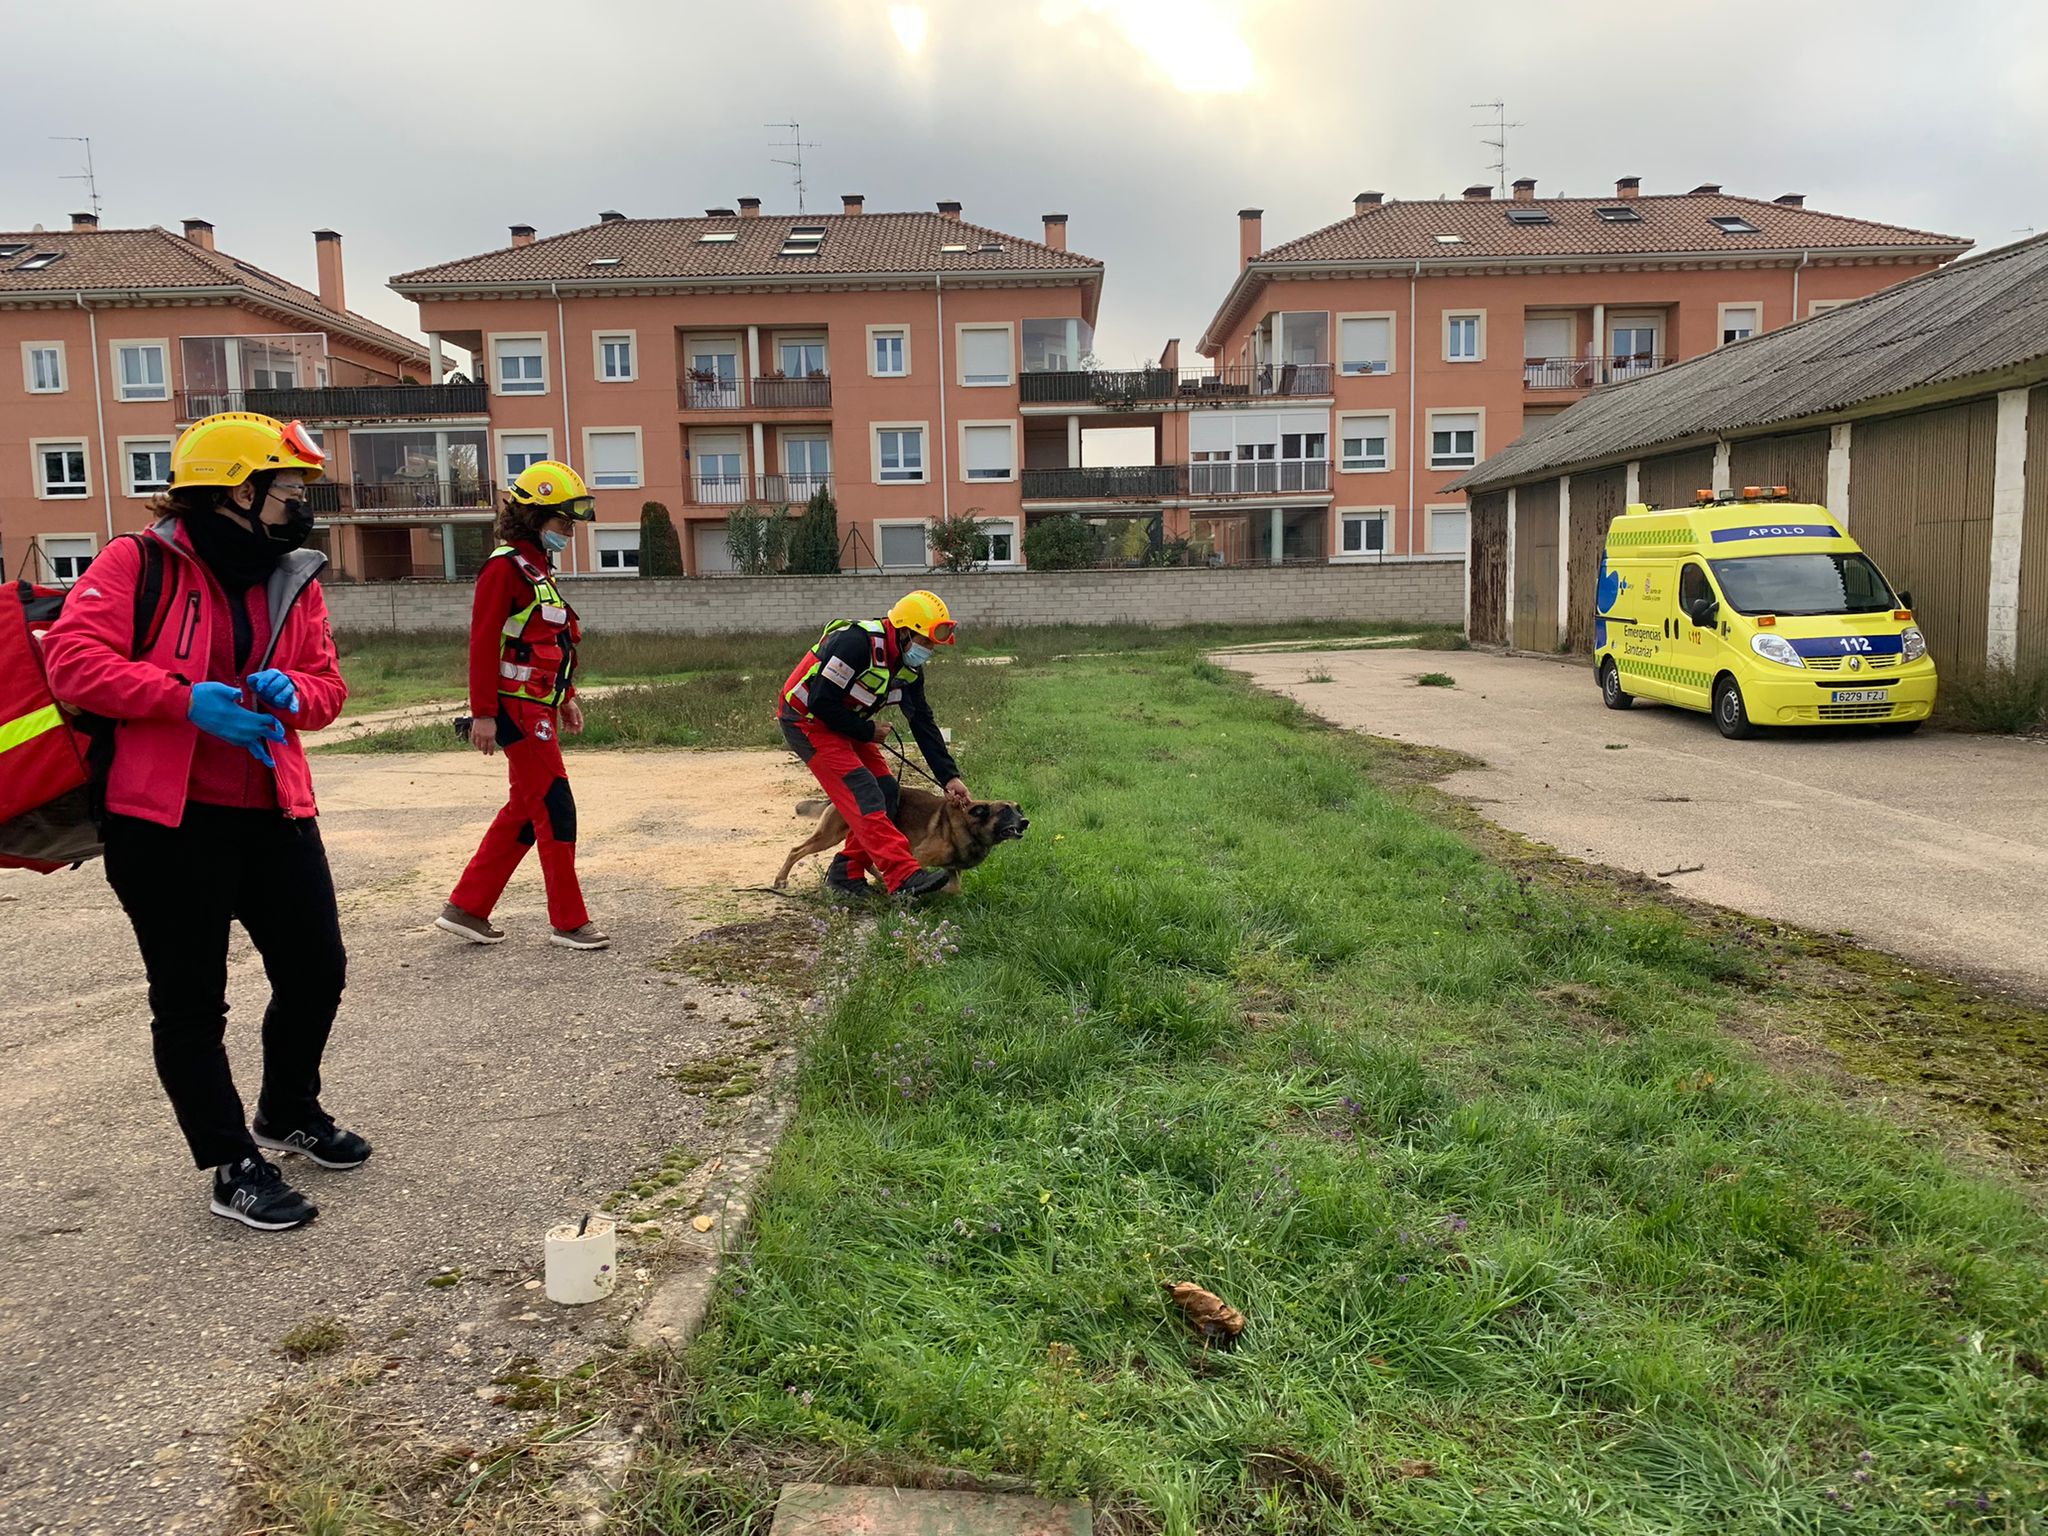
column 815, row 1509
column 1934, row 847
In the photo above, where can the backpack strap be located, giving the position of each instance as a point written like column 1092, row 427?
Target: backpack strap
column 149, row 593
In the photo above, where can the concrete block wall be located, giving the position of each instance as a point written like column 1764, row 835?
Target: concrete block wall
column 1413, row 591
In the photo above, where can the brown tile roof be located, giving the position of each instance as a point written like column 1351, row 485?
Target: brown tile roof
column 1407, row 231
column 674, row 250
column 100, row 259
column 1984, row 318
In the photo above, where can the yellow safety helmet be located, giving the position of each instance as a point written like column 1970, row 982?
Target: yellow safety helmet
column 925, row 612
column 554, row 486
column 228, row 448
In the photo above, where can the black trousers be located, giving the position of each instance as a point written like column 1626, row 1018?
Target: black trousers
column 182, row 888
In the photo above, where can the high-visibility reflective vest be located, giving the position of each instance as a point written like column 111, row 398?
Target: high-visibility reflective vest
column 874, row 687
column 538, row 656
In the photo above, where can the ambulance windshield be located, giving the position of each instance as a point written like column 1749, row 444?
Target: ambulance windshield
column 1803, row 584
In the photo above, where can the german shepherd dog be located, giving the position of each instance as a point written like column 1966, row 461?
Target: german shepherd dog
column 941, row 836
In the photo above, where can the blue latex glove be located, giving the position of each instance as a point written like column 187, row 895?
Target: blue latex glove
column 275, row 689
column 217, row 710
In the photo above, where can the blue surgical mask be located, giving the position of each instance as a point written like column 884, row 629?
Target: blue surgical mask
column 556, row 542
column 915, row 655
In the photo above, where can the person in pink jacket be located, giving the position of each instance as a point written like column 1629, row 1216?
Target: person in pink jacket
column 209, row 816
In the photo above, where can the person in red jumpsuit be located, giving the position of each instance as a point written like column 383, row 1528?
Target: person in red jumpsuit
column 829, row 703
column 522, row 696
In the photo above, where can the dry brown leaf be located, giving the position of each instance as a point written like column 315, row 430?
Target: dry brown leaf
column 1416, row 1468
column 703, row 1223
column 1208, row 1314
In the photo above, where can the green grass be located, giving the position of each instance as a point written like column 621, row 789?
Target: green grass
column 1527, row 1242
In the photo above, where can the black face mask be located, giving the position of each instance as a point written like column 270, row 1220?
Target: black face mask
column 296, row 528
column 240, row 557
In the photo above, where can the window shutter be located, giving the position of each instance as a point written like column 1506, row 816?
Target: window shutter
column 1366, row 342
column 984, row 355
column 614, row 453
column 1210, row 432
column 989, row 454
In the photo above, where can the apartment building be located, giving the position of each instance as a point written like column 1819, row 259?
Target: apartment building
column 123, row 337
column 748, row 359
column 1372, row 362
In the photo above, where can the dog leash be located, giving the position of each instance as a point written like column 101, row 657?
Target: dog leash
column 889, row 745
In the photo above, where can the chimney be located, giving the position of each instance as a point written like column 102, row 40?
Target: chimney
column 950, row 210
column 1169, row 356
column 1628, row 186
column 85, row 221
column 1706, row 189
column 200, row 233
column 1249, row 243
column 849, row 203
column 1478, row 194
column 611, row 216
column 327, row 255
column 750, row 207
column 1365, row 200
column 1790, row 200
column 1525, row 189
column 1056, row 231
column 522, row 234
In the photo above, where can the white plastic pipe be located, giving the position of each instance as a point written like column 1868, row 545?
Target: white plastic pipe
column 582, row 1266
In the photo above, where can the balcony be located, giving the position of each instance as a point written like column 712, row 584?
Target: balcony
column 1139, row 482
column 340, row 402
column 405, row 498
column 1258, row 477
column 770, row 394
column 1186, row 386
column 738, row 490
column 1585, row 372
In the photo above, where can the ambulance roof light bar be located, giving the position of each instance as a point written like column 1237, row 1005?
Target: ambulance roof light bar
column 1729, row 497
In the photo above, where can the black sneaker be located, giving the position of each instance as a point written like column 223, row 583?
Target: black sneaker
column 844, row 885
column 322, row 1140
column 255, row 1194
column 925, row 883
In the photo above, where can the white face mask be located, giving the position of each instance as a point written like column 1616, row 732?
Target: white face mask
column 557, row 542
column 915, row 655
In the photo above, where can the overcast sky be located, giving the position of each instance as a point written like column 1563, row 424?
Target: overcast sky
column 420, row 130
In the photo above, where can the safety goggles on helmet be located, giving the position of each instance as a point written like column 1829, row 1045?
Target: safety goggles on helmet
column 578, row 509
column 943, row 632
column 300, row 442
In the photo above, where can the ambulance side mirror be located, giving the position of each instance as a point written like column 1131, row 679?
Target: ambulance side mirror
column 1905, row 599
column 1703, row 611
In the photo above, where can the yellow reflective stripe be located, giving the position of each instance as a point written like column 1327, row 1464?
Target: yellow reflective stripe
column 23, row 729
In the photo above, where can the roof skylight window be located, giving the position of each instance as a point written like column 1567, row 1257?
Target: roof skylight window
column 12, row 249
column 1450, row 239
column 1619, row 215
column 40, row 260
column 1528, row 216
column 605, row 261
column 953, row 247
column 1731, row 225
column 718, row 236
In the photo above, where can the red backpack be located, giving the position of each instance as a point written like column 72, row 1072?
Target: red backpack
column 54, row 761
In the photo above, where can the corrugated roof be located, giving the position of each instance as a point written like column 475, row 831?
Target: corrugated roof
column 676, row 250
column 1975, row 317
column 155, row 258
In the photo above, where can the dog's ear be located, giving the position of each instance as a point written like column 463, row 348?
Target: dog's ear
column 979, row 813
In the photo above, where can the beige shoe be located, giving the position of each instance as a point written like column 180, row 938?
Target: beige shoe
column 465, row 925
column 586, row 937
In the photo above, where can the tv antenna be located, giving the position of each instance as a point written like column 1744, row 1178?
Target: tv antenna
column 1499, row 143
column 92, row 187
column 797, row 144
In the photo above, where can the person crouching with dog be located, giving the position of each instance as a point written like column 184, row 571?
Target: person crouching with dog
column 522, row 696
column 209, row 814
column 858, row 668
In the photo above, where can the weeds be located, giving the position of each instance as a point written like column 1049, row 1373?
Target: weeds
column 314, row 1337
column 2000, row 697
column 1436, row 680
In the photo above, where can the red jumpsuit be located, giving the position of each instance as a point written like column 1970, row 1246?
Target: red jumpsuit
column 523, row 680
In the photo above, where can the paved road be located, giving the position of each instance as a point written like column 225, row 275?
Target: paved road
column 504, row 1088
column 1934, row 846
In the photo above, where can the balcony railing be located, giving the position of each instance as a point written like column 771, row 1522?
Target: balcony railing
column 1258, row 477
column 791, row 488
column 1140, row 482
column 341, row 402
column 1128, row 388
column 813, row 394
column 709, row 395
column 733, row 490
column 1585, row 372
column 345, row 498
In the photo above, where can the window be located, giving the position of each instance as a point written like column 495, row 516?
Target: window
column 903, row 545
column 1366, row 343
column 899, row 455
column 1633, row 345
column 1821, row 306
column 9, row 249
column 40, row 260
column 615, row 361
column 1303, row 338
column 519, row 449
column 618, row 551
column 139, row 370
column 60, row 469
column 719, row 237
column 1306, row 447
column 1528, row 216
column 1618, row 213
column 1692, row 587
column 1362, row 533
column 803, row 240
column 716, row 459
column 888, row 352
column 147, row 463
column 998, row 542
column 522, row 364
column 42, row 367
column 1733, row 226
column 714, row 373
column 807, row 461
column 1450, row 239
column 67, row 556
column 804, row 358
column 1453, row 439
column 1447, row 530
column 1363, row 443
column 1739, row 322
column 612, row 456
column 984, row 355
column 988, row 451
column 1465, row 337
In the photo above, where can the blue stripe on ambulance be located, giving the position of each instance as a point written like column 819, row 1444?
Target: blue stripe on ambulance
column 1851, row 645
column 1777, row 531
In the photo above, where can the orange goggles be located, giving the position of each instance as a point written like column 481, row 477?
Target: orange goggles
column 301, row 443
column 943, row 632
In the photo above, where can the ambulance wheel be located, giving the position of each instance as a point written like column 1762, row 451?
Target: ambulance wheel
column 1730, row 713
column 1610, row 686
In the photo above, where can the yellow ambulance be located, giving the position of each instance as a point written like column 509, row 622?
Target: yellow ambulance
column 1759, row 611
